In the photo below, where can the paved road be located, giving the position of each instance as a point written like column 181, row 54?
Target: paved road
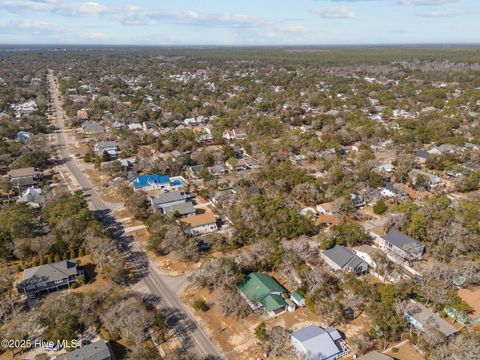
column 153, row 283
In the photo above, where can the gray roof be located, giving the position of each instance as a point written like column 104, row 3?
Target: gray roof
column 428, row 319
column 50, row 272
column 402, row 241
column 375, row 355
column 97, row 350
column 317, row 341
column 343, row 257
column 168, row 197
column 181, row 209
column 422, row 154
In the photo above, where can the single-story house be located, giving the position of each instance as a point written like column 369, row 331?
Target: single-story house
column 92, row 127
column 433, row 181
column 401, row 245
column 194, row 171
column 199, row 224
column 421, row 156
column 98, row 350
column 162, row 201
column 298, row 299
column 110, row 147
column 341, row 258
column 182, row 210
column 235, row 134
column 22, row 136
column 49, row 277
column 424, row 319
column 471, row 166
column 263, row 291
column 318, row 343
column 151, row 182
column 32, row 197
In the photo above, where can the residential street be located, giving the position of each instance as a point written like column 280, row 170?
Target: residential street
column 163, row 288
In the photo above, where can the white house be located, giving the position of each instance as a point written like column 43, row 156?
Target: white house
column 199, row 224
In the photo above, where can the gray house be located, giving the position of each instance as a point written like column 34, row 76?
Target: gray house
column 24, row 178
column 401, row 245
column 182, row 210
column 341, row 258
column 97, row 350
column 49, row 277
column 160, row 202
column 319, row 344
column 110, row 147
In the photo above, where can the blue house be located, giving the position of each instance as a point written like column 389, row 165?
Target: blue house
column 151, row 182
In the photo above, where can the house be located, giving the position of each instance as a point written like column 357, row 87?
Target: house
column 82, row 114
column 199, row 224
column 109, row 147
column 341, row 258
column 22, row 136
column 318, row 343
column 181, row 210
column 471, row 166
column 369, row 254
column 425, row 320
column 194, row 171
column 151, row 182
column 357, row 200
column 235, row 134
column 375, row 355
column 261, row 291
column 217, row 170
column 49, row 277
column 92, row 127
column 24, row 178
column 298, row 299
column 161, row 201
column 421, row 156
column 98, row 350
column 443, row 149
column 400, row 245
column 118, row 125
column 135, row 126
column 32, row 197
column 433, row 181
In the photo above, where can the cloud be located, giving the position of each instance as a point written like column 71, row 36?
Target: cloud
column 426, row 2
column 337, row 12
column 452, row 12
column 97, row 36
column 76, row 9
column 38, row 26
column 55, row 6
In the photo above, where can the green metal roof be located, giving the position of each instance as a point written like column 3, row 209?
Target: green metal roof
column 297, row 296
column 273, row 302
column 257, row 286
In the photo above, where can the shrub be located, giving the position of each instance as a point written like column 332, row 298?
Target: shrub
column 380, row 207
column 200, row 304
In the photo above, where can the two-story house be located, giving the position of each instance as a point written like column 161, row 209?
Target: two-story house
column 50, row 277
column 402, row 246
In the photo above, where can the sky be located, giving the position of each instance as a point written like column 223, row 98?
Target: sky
column 239, row 22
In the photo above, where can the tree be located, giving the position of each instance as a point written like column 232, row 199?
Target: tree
column 380, row 207
column 261, row 332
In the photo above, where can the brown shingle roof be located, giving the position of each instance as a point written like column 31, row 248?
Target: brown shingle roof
column 30, row 171
column 199, row 220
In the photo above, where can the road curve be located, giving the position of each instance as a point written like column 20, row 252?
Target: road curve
column 190, row 333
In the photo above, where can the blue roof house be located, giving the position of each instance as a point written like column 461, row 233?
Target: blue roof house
column 151, row 182
column 318, row 343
